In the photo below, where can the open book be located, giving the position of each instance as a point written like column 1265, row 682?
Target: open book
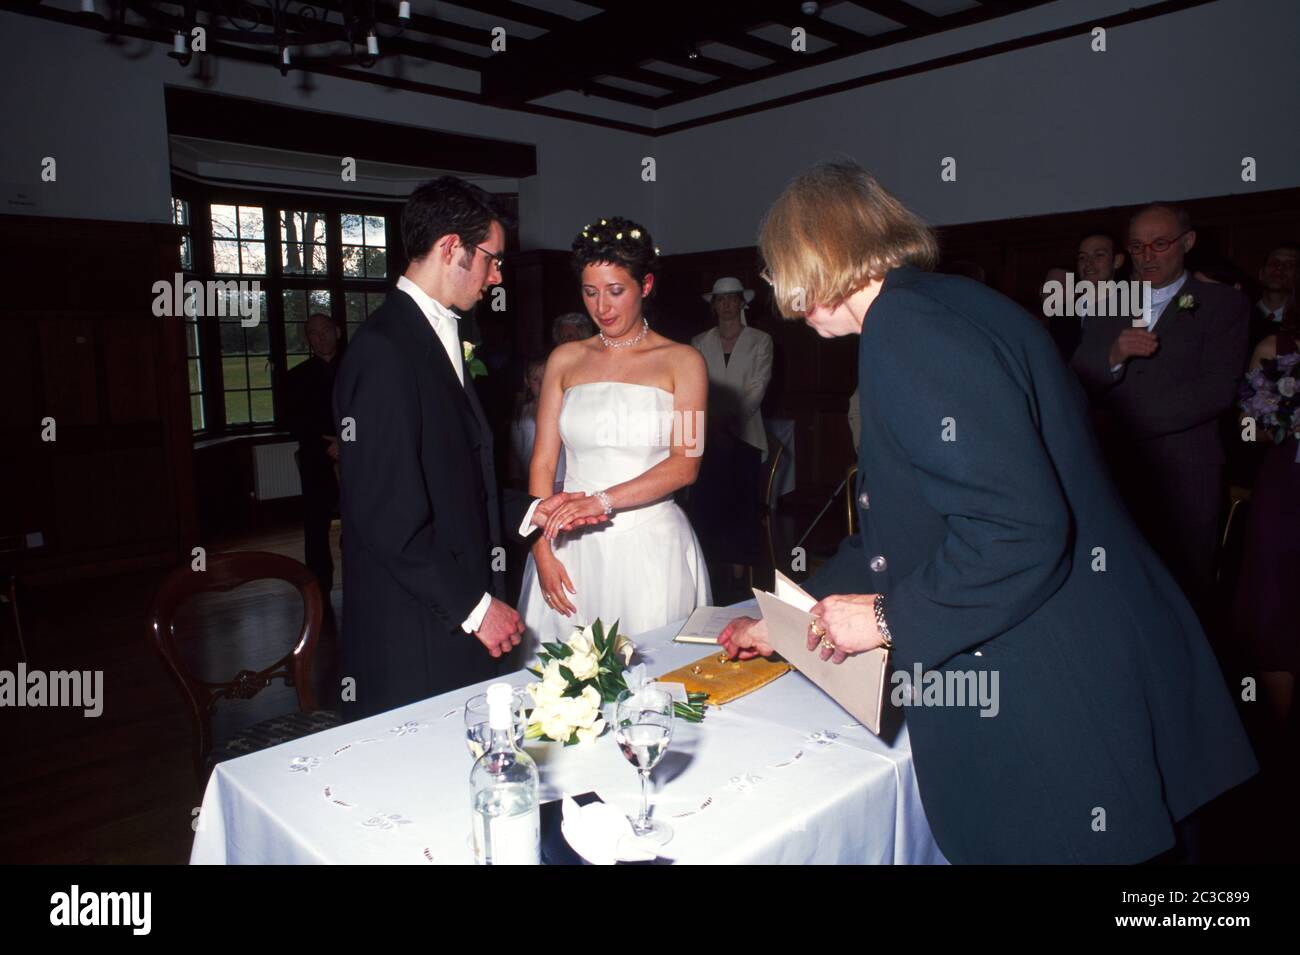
column 857, row 684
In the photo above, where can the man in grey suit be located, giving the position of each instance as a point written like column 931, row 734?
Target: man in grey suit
column 1162, row 389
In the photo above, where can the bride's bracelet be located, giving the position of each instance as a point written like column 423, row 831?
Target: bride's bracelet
column 604, row 502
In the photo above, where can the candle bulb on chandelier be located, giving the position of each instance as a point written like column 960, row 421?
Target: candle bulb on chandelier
column 372, row 44
column 284, row 56
column 404, row 10
column 87, row 6
column 178, row 44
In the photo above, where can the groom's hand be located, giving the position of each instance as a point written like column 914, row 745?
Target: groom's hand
column 501, row 628
column 550, row 505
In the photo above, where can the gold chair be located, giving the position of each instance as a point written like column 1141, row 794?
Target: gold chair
column 850, row 481
column 1237, row 496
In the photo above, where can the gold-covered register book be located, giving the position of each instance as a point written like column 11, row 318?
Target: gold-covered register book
column 724, row 679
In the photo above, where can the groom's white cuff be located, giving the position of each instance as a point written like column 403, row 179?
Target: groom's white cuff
column 526, row 527
column 475, row 619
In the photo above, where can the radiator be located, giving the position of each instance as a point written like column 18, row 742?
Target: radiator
column 275, row 473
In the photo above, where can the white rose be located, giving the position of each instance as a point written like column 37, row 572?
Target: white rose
column 584, row 666
column 578, row 711
column 1286, row 387
column 554, row 723
column 591, row 696
column 587, row 733
column 553, row 677
column 582, row 641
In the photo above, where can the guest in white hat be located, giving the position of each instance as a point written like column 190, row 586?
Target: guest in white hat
column 726, row 493
column 739, row 359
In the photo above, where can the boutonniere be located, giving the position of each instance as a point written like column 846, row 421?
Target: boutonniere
column 475, row 365
column 1187, row 302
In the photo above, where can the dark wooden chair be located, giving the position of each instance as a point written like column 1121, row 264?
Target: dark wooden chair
column 224, row 573
column 9, row 595
column 767, row 510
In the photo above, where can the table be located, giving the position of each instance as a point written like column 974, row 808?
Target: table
column 780, row 776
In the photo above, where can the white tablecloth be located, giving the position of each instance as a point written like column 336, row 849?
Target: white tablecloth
column 781, row 776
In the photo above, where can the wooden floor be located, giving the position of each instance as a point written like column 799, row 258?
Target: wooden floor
column 120, row 788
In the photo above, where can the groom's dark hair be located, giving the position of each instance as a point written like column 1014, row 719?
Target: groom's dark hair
column 448, row 206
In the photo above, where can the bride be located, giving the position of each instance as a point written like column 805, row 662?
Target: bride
column 627, row 408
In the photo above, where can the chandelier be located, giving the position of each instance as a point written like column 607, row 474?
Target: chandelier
column 297, row 32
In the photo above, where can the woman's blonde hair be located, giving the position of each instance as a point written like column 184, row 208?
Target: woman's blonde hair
column 832, row 231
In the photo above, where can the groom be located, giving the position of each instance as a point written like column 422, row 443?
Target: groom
column 422, row 612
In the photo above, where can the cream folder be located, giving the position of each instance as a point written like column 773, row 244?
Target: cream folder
column 857, row 684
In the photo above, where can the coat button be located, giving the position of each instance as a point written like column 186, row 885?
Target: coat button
column 878, row 563
column 863, row 501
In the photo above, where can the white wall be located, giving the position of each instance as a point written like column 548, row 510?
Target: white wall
column 1168, row 111
column 100, row 114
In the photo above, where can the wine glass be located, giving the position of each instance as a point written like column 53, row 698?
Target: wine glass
column 477, row 733
column 643, row 727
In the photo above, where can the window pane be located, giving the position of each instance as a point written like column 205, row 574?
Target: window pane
column 196, row 376
column 191, row 339
column 234, row 373
column 317, row 258
column 293, row 361
column 187, row 262
column 295, row 307
column 353, row 262
column 232, row 338
column 254, row 257
column 295, row 337
column 258, row 338
column 236, row 407
column 259, row 371
column 375, row 231
column 225, row 256
column 250, row 222
column 374, row 300
column 196, row 412
column 356, row 307
column 376, row 263
column 318, row 300
column 224, row 223
column 263, row 406
column 352, row 228
column 180, row 212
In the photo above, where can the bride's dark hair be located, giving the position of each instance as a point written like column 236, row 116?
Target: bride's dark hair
column 616, row 241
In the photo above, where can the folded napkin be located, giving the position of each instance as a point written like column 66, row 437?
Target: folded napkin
column 724, row 679
column 602, row 835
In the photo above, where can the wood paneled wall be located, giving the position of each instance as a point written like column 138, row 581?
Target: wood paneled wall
column 79, row 344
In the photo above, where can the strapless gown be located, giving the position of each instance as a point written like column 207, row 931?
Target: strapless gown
column 644, row 567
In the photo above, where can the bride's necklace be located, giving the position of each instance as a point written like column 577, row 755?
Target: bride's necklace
column 640, row 337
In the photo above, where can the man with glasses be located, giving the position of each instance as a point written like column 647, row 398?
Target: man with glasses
column 1277, row 294
column 1162, row 381
column 423, row 596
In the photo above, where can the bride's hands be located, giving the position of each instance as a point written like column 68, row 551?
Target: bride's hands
column 553, row 579
column 576, row 511
column 745, row 638
column 545, row 512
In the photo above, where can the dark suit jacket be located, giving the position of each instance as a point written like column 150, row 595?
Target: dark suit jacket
column 985, row 547
column 309, row 413
column 420, row 513
column 1176, row 396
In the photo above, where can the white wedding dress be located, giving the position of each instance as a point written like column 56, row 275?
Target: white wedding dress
column 644, row 566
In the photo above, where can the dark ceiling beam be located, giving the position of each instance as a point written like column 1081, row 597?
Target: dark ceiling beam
column 608, row 42
column 673, row 84
column 930, row 26
column 756, row 45
column 631, row 97
column 701, row 64
column 841, row 36
column 518, row 12
column 899, row 12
